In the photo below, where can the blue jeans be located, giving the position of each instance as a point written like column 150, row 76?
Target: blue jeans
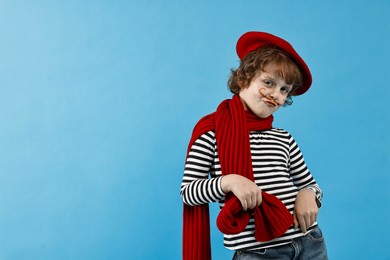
column 311, row 246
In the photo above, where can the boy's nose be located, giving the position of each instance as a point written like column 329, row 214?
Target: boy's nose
column 274, row 95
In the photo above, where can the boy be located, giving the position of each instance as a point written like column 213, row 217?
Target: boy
column 269, row 199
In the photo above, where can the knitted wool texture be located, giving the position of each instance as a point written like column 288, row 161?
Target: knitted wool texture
column 232, row 125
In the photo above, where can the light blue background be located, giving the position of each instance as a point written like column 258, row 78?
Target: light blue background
column 98, row 100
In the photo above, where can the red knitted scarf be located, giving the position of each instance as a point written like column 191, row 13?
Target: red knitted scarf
column 232, row 125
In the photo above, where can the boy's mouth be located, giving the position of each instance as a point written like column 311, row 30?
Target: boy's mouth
column 270, row 102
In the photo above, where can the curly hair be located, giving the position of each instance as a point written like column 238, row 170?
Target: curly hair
column 257, row 61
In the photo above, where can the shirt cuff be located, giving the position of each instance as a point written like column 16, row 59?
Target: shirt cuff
column 318, row 195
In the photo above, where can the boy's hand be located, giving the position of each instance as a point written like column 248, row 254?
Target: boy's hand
column 247, row 192
column 305, row 210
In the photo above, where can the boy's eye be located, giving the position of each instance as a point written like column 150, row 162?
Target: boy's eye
column 285, row 90
column 269, row 83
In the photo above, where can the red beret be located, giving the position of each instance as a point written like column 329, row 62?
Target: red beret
column 251, row 41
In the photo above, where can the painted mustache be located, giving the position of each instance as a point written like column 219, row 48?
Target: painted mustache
column 269, row 99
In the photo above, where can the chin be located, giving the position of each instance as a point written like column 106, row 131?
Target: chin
column 263, row 115
column 262, row 112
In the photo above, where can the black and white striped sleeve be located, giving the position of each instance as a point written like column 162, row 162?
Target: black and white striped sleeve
column 197, row 188
column 299, row 172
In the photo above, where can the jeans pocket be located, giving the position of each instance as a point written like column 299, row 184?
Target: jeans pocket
column 249, row 255
column 316, row 235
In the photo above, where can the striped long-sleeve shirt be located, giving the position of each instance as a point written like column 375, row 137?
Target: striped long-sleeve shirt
column 279, row 169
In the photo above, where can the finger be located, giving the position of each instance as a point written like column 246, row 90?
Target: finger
column 313, row 219
column 244, row 204
column 302, row 224
column 253, row 201
column 249, row 203
column 308, row 222
column 296, row 224
column 259, row 198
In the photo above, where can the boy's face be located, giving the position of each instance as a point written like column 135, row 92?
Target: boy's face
column 265, row 94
